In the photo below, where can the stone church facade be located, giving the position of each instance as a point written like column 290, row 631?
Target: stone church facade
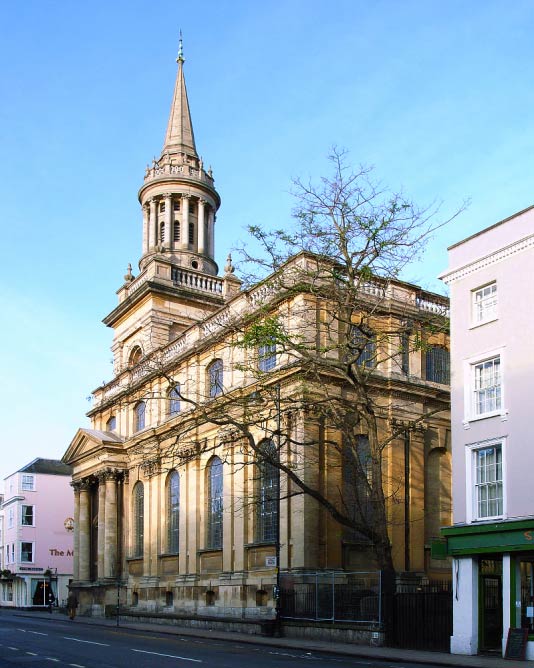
column 169, row 503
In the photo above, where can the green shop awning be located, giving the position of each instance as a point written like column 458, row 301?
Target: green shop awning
column 506, row 536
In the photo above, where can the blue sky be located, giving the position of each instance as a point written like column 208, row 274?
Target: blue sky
column 436, row 95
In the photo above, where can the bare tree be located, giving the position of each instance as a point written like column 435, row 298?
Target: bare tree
column 326, row 341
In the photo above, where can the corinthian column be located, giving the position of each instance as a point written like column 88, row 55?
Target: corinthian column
column 75, row 561
column 101, row 525
column 84, row 563
column 110, row 554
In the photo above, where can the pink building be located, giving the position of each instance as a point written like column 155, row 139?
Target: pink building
column 491, row 542
column 37, row 535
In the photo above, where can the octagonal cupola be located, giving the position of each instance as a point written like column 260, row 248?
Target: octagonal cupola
column 178, row 196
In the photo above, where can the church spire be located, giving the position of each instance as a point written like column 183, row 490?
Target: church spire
column 180, row 137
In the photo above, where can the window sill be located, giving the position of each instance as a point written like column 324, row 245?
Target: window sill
column 490, row 518
column 475, row 325
column 502, row 414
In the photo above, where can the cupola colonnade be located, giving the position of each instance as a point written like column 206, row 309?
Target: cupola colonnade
column 178, row 221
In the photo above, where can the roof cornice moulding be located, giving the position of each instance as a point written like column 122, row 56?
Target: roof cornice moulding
column 492, row 258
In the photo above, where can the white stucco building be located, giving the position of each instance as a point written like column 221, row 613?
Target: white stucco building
column 492, row 538
column 37, row 537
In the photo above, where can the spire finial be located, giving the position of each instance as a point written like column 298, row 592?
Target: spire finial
column 180, row 58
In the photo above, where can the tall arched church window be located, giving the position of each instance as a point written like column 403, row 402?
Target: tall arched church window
column 191, row 233
column 173, row 513
column 139, row 416
column 215, row 378
column 214, row 514
column 111, row 424
column 268, row 489
column 162, row 232
column 138, row 520
column 174, row 400
column 176, row 231
column 362, row 347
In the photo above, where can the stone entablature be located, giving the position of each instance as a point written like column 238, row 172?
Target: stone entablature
column 408, row 300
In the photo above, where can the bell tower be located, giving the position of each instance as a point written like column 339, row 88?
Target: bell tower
column 178, row 196
column 177, row 285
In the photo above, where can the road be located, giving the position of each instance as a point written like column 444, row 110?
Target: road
column 41, row 643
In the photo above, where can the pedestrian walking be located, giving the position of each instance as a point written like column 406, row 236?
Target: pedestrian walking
column 72, row 604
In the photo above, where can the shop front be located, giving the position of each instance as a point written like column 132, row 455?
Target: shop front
column 493, row 584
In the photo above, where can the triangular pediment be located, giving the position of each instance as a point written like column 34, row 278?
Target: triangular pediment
column 87, row 442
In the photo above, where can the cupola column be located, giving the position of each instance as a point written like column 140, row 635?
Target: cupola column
column 152, row 221
column 211, row 225
column 168, row 219
column 201, row 225
column 145, row 229
column 184, row 237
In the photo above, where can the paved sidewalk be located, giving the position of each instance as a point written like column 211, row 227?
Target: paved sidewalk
column 346, row 649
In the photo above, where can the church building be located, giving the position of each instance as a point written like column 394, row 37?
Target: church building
column 186, row 485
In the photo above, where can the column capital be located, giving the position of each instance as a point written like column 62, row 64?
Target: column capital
column 76, row 486
column 186, row 196
column 167, row 196
column 85, row 484
column 202, row 202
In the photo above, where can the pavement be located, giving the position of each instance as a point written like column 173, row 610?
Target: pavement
column 345, row 649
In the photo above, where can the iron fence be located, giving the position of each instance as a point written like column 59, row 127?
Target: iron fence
column 332, row 596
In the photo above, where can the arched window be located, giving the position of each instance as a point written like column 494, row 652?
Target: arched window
column 215, row 378
column 267, row 356
column 362, row 346
column 162, row 232
column 268, row 486
column 135, row 356
column 140, row 411
column 173, row 513
column 437, row 364
column 111, row 424
column 174, row 400
column 176, row 205
column 191, row 233
column 214, row 515
column 138, row 519
column 176, row 231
